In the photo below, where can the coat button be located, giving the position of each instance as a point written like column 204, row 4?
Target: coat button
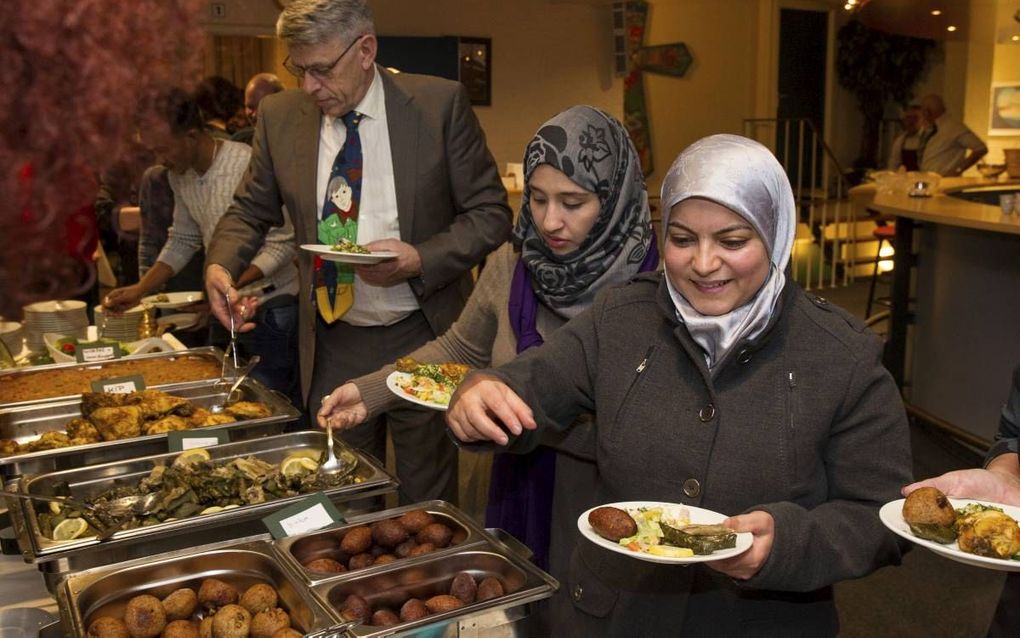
column 706, row 413
column 692, row 487
column 577, row 592
column 821, row 301
column 744, row 356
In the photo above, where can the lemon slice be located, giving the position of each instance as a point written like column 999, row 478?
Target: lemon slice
column 212, row 510
column 297, row 466
column 69, row 528
column 670, row 552
column 54, row 507
column 194, row 455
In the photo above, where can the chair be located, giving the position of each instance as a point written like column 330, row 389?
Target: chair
column 883, row 232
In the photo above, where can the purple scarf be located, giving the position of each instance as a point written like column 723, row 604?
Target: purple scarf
column 520, row 501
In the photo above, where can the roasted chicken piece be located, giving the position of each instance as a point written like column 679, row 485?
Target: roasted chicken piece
column 204, row 418
column 48, row 441
column 82, row 431
column 92, row 401
column 118, row 423
column 989, row 533
column 156, row 404
column 8, row 446
column 169, row 423
column 248, row 410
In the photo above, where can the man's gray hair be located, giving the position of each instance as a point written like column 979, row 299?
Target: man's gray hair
column 309, row 22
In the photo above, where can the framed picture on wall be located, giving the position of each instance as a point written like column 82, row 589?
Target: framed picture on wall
column 476, row 69
column 1004, row 118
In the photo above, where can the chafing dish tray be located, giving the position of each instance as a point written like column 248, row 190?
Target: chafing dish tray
column 104, row 591
column 366, row 480
column 301, row 550
column 391, row 586
column 67, row 380
column 28, row 421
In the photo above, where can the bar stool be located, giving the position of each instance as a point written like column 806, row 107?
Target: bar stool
column 883, row 233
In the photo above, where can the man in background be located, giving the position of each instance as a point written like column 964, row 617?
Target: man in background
column 906, row 147
column 948, row 146
column 259, row 86
column 395, row 162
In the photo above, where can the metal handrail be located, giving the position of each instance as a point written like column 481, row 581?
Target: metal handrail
column 832, row 208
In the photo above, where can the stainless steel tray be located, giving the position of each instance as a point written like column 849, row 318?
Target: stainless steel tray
column 298, row 550
column 104, row 591
column 40, row 373
column 82, row 553
column 391, row 585
column 28, row 421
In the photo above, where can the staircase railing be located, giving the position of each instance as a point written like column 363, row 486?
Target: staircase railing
column 820, row 186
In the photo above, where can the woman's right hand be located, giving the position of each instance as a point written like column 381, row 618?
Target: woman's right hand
column 121, row 299
column 480, row 404
column 342, row 408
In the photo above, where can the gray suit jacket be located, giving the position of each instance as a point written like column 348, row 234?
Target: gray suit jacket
column 451, row 204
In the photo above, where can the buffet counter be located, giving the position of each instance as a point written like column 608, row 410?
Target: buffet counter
column 955, row 289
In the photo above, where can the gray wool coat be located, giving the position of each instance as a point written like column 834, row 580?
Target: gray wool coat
column 803, row 423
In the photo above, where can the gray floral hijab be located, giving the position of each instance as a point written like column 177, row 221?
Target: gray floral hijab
column 594, row 151
column 745, row 177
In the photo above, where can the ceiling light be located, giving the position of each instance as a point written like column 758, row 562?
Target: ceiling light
column 950, row 28
column 1015, row 38
column 936, row 12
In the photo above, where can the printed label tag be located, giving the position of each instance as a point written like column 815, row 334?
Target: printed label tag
column 94, row 351
column 314, row 512
column 181, row 440
column 119, row 385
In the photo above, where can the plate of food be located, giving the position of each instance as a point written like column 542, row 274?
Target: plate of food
column 978, row 533
column 168, row 300
column 667, row 533
column 347, row 252
column 427, row 384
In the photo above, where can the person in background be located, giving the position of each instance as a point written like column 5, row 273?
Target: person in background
column 204, row 173
column 259, row 86
column 906, row 147
column 220, row 101
column 948, row 146
column 394, row 162
column 584, row 225
column 721, row 385
column 999, row 482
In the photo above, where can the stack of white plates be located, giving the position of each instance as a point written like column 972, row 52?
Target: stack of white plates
column 13, row 336
column 122, row 327
column 66, row 317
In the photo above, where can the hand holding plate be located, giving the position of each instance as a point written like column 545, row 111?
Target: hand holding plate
column 391, row 272
column 763, row 527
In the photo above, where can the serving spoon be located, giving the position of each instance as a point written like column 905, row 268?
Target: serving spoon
column 241, row 376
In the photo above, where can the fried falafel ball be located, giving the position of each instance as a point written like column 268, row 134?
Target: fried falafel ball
column 181, row 629
column 930, row 515
column 266, row 623
column 180, row 604
column 232, row 621
column 144, row 616
column 214, row 593
column 107, row 627
column 259, row 597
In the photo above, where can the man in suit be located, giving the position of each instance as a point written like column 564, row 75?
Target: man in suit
column 425, row 187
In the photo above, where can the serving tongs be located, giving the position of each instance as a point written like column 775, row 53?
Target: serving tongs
column 242, row 374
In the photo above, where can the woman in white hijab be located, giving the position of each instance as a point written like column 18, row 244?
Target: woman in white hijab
column 721, row 385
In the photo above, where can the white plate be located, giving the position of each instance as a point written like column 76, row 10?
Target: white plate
column 698, row 516
column 391, row 383
column 892, row 516
column 327, row 253
column 174, row 299
column 180, row 320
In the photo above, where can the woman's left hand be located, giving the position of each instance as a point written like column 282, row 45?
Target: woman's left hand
column 746, row 565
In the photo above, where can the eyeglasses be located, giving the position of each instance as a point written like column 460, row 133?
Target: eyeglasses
column 318, row 71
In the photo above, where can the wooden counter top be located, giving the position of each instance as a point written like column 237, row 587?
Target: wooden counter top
column 952, row 211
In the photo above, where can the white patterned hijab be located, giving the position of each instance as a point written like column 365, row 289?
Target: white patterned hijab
column 745, row 177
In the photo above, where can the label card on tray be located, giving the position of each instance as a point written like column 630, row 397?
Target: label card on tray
column 181, row 440
column 119, row 385
column 314, row 512
column 95, row 351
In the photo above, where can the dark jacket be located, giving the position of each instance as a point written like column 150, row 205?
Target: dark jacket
column 804, row 423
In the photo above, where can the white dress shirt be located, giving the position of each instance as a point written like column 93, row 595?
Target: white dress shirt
column 377, row 210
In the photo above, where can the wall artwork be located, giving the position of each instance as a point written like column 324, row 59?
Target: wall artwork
column 1004, row 118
